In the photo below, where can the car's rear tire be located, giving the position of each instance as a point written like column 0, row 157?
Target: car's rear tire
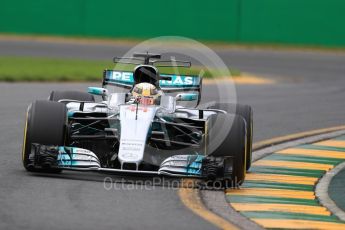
column 71, row 95
column 247, row 113
column 45, row 124
column 226, row 137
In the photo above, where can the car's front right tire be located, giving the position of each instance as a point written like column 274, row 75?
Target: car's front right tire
column 45, row 124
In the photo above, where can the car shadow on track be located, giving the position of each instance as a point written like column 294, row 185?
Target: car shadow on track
column 126, row 182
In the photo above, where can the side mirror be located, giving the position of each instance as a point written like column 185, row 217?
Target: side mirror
column 186, row 97
column 97, row 91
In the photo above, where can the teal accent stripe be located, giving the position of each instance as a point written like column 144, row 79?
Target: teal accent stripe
column 273, row 185
column 299, row 158
column 129, row 83
column 270, row 200
column 70, row 113
column 287, row 171
column 288, row 215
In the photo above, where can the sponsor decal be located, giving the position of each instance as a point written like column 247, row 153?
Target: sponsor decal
column 130, row 150
column 129, row 155
column 120, row 76
column 179, row 81
column 176, row 80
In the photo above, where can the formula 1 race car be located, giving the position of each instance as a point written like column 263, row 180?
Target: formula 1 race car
column 142, row 130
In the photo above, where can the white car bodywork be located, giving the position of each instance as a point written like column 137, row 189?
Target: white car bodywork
column 135, row 120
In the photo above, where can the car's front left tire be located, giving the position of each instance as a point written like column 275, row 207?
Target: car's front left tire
column 226, row 137
column 246, row 112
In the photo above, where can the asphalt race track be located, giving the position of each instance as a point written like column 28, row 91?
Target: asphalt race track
column 308, row 94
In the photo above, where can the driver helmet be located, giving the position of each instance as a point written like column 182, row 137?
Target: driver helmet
column 145, row 93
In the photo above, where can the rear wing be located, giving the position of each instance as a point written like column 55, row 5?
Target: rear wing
column 177, row 83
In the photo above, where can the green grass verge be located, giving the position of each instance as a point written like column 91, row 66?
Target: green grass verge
column 55, row 69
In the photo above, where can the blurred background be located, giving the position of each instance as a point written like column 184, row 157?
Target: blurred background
column 298, row 22
column 32, row 32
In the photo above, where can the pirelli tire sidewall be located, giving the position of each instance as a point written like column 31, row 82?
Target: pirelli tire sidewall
column 226, row 136
column 26, row 139
column 45, row 124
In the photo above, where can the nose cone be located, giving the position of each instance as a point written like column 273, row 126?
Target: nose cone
column 135, row 125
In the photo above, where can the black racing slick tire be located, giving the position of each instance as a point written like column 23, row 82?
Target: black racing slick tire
column 70, row 95
column 247, row 113
column 226, row 137
column 46, row 125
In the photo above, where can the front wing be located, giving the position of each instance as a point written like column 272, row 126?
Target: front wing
column 78, row 159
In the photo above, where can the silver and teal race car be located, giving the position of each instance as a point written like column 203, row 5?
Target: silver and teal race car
column 144, row 128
